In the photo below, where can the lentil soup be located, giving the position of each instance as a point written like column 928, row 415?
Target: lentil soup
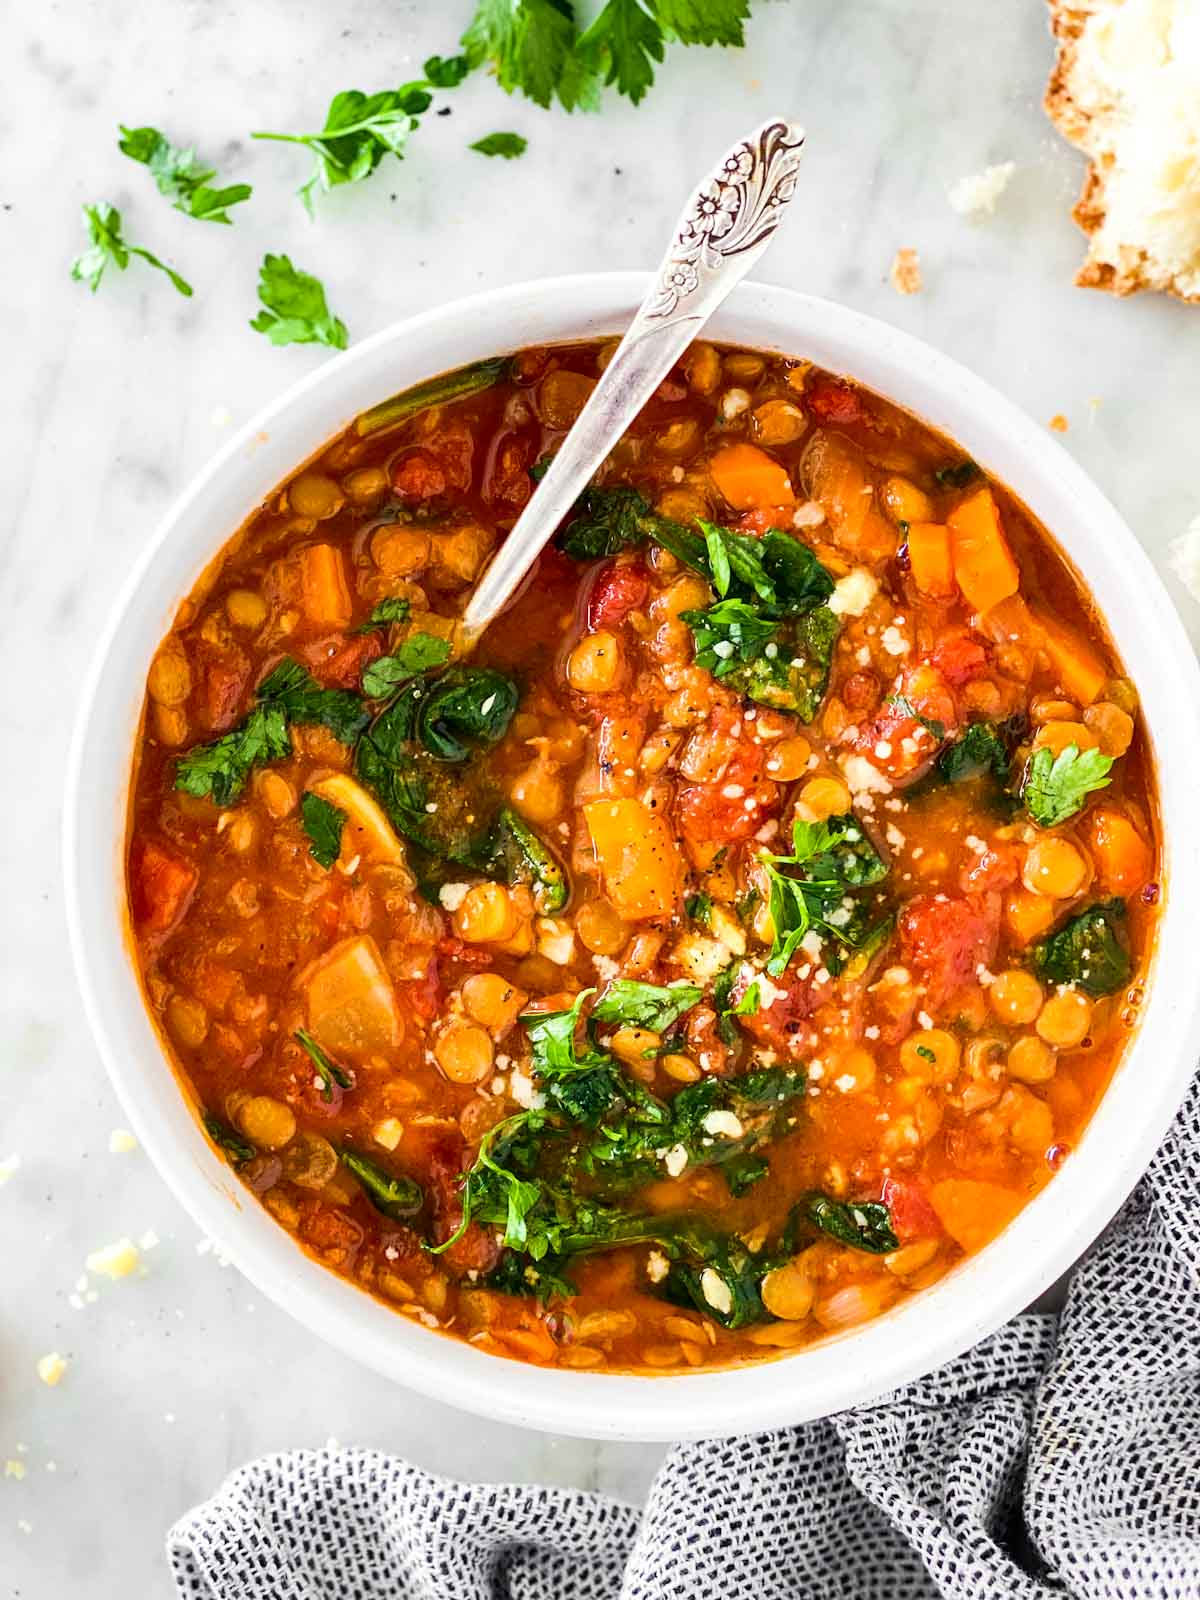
column 738, row 938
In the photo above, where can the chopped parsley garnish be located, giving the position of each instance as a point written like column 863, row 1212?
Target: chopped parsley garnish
column 1056, row 787
column 323, row 823
column 327, row 1069
column 360, row 129
column 393, row 609
column 699, row 907
column 508, row 145
column 180, row 177
column 834, row 858
column 108, row 245
column 288, row 694
column 295, row 310
column 925, row 1053
column 416, row 654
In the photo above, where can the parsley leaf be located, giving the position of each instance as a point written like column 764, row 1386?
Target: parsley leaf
column 532, row 46
column 416, row 654
column 1056, row 787
column 323, row 823
column 180, row 177
column 360, row 129
column 781, row 663
column 622, row 45
column 699, row 907
column 834, row 857
column 218, row 770
column 393, row 609
column 446, row 72
column 508, row 145
column 295, row 311
column 646, row 1005
column 327, row 1069
column 108, row 245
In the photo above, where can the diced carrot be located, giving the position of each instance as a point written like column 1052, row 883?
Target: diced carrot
column 162, row 887
column 750, row 479
column 973, row 1212
column 1028, row 916
column 637, row 856
column 983, row 563
column 1121, row 855
column 1080, row 670
column 929, row 557
column 323, row 580
column 352, row 1006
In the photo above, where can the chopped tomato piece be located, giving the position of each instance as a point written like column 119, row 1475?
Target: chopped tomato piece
column 947, row 937
column 763, row 520
column 781, row 1025
column 225, row 679
column 620, row 587
column 477, row 1250
column 832, row 401
column 913, row 1217
column 338, row 662
column 506, row 480
column 704, row 1043
column 911, row 724
column 162, row 887
column 418, row 476
column 959, row 658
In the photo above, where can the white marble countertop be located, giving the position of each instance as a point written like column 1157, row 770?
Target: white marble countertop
column 111, row 404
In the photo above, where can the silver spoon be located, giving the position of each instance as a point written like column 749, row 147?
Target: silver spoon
column 725, row 228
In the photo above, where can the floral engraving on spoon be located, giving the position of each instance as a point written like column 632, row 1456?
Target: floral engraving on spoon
column 734, row 210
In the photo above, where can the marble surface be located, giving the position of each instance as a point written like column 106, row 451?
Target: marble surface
column 110, row 404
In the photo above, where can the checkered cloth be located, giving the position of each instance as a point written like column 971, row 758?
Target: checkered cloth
column 1061, row 1456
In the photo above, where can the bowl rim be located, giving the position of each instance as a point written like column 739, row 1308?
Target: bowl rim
column 921, row 1333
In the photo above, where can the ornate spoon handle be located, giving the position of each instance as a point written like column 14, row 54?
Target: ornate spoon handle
column 724, row 229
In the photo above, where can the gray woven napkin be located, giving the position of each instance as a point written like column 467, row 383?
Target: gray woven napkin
column 1061, row 1456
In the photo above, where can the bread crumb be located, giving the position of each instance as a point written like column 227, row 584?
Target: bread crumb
column 1184, row 555
column 114, row 1260
column 51, row 1369
column 976, row 196
column 121, row 1142
column 1058, row 423
column 906, row 272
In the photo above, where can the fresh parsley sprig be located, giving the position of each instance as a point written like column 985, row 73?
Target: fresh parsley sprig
column 288, row 694
column 295, row 310
column 180, row 177
column 394, row 609
column 323, row 823
column 361, row 129
column 829, row 860
column 416, row 654
column 1056, row 787
column 107, row 245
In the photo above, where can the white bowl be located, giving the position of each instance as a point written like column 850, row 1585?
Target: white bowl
column 920, row 1333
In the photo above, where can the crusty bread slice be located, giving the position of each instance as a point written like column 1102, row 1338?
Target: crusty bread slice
column 1126, row 90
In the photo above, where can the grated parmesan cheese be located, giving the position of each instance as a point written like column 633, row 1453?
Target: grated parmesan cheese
column 976, row 196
